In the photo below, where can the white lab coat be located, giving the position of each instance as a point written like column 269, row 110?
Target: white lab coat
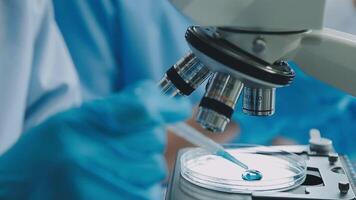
column 37, row 77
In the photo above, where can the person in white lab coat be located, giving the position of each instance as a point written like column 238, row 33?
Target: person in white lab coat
column 37, row 77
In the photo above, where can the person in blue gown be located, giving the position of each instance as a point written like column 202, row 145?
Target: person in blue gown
column 108, row 148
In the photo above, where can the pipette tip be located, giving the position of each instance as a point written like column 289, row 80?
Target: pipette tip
column 231, row 158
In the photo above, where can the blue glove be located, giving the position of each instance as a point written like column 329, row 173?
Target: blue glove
column 106, row 149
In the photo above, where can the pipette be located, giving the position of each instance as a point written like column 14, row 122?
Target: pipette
column 195, row 137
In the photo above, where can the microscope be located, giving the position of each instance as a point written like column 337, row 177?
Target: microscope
column 243, row 47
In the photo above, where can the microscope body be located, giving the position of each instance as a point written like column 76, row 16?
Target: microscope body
column 245, row 45
column 256, row 15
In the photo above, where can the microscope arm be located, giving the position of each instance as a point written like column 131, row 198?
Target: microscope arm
column 330, row 56
column 325, row 54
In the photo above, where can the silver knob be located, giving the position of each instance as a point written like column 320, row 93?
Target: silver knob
column 319, row 144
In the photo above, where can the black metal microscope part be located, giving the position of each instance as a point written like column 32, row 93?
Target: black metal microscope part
column 231, row 71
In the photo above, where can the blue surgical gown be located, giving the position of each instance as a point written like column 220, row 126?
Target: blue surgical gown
column 37, row 77
column 116, row 42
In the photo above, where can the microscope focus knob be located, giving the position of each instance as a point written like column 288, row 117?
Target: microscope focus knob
column 319, row 144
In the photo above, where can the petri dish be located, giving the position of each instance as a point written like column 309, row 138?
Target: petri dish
column 281, row 170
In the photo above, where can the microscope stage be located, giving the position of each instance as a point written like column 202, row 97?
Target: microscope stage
column 326, row 178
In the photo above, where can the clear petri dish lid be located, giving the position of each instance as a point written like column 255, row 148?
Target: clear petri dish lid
column 280, row 170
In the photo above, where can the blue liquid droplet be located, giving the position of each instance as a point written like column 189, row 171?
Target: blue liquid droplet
column 252, row 175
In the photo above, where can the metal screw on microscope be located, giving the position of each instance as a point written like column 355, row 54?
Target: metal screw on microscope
column 344, row 187
column 259, row 45
column 333, row 158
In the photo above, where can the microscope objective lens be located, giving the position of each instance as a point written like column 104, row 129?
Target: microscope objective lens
column 184, row 77
column 217, row 105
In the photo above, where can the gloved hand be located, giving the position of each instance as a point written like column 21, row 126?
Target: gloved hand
column 106, row 149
